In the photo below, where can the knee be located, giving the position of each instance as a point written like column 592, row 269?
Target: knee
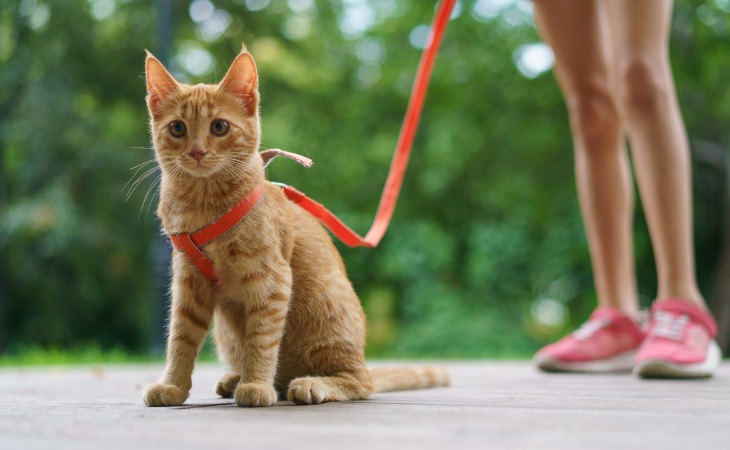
column 643, row 86
column 593, row 115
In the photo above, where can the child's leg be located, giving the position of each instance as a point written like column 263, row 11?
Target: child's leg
column 648, row 104
column 680, row 338
column 574, row 30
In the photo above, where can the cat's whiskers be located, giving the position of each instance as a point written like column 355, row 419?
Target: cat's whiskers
column 135, row 178
column 172, row 174
column 153, row 187
column 225, row 170
column 139, row 181
column 231, row 170
column 235, row 165
column 146, row 163
column 137, row 169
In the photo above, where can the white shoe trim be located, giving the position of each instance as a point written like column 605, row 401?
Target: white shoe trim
column 665, row 369
column 622, row 362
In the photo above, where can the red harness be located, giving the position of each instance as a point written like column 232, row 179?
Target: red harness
column 190, row 243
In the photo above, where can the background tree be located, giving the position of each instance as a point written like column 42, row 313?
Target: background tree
column 486, row 255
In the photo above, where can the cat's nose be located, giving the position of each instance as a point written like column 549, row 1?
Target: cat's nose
column 197, row 153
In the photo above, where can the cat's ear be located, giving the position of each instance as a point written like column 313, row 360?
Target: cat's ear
column 160, row 84
column 242, row 81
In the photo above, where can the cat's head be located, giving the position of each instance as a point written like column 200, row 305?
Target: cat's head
column 201, row 130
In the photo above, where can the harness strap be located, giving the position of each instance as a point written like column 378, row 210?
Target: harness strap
column 185, row 243
column 191, row 243
column 334, row 224
column 270, row 154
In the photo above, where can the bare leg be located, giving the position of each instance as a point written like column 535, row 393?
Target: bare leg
column 574, row 30
column 650, row 112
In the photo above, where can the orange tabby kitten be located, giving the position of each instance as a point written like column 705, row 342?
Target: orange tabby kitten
column 287, row 320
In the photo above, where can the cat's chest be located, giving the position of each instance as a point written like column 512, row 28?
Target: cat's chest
column 173, row 225
column 190, row 210
column 177, row 218
column 245, row 261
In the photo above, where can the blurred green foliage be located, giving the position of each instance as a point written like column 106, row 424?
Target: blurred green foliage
column 486, row 255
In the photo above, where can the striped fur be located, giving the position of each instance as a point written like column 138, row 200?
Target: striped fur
column 287, row 321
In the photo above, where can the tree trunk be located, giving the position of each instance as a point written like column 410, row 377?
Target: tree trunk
column 161, row 249
column 715, row 156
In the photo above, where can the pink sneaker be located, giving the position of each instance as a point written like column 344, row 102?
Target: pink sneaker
column 679, row 344
column 607, row 342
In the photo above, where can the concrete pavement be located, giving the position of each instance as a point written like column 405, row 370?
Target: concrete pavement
column 499, row 405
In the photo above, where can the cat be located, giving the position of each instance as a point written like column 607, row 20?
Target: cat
column 288, row 323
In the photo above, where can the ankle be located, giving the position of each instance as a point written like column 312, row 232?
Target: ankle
column 698, row 302
column 631, row 311
column 686, row 294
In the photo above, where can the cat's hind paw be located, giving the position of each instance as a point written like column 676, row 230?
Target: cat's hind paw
column 308, row 391
column 255, row 394
column 227, row 385
column 164, row 395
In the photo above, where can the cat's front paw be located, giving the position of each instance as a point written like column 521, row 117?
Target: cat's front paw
column 227, row 385
column 164, row 395
column 255, row 394
column 308, row 391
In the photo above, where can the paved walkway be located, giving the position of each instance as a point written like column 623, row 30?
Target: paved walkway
column 500, row 405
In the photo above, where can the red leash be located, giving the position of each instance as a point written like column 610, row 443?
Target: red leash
column 402, row 152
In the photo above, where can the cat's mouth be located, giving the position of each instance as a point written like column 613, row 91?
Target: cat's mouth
column 198, row 168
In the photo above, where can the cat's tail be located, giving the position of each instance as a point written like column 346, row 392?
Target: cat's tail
column 387, row 379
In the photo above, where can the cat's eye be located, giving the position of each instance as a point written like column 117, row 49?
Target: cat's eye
column 219, row 127
column 177, row 128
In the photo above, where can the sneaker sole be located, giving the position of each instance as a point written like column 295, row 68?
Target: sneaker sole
column 666, row 369
column 623, row 362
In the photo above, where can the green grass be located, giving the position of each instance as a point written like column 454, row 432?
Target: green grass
column 37, row 356
column 92, row 354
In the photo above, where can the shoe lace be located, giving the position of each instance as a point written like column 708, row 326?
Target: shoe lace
column 590, row 328
column 669, row 326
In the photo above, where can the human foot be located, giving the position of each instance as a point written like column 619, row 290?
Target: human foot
column 607, row 342
column 679, row 343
